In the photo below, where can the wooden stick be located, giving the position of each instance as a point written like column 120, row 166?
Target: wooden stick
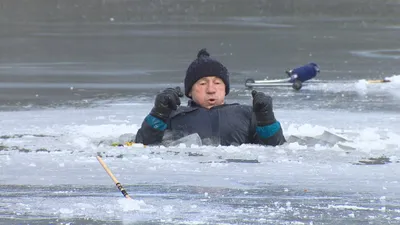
column 117, row 183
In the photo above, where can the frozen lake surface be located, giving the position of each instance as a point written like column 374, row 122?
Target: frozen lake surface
column 75, row 77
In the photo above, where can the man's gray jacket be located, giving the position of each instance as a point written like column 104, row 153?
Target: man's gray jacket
column 228, row 124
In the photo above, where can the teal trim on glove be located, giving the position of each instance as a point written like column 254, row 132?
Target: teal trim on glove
column 269, row 130
column 155, row 123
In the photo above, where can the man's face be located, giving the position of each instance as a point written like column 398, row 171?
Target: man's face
column 208, row 92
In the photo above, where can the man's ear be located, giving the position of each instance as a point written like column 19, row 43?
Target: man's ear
column 190, row 94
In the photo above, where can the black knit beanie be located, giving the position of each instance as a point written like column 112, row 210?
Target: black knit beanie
column 205, row 66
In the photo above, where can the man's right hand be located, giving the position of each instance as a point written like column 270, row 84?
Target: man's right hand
column 166, row 101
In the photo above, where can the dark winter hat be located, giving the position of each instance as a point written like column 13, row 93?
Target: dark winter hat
column 205, row 66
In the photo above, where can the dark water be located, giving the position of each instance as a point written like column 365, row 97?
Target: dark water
column 71, row 52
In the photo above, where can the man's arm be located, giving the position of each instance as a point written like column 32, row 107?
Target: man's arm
column 268, row 130
column 151, row 132
column 155, row 124
column 269, row 134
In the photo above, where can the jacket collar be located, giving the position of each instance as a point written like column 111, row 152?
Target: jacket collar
column 193, row 104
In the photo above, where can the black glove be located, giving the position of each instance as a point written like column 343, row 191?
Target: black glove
column 165, row 102
column 262, row 107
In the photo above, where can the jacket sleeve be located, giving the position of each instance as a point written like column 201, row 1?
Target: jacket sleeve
column 151, row 132
column 267, row 135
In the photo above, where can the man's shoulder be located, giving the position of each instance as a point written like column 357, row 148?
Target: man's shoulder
column 227, row 106
column 183, row 109
column 238, row 108
column 237, row 105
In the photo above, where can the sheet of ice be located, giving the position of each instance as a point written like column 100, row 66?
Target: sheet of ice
column 51, row 156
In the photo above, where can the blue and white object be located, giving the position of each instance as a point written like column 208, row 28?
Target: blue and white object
column 295, row 79
column 303, row 73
